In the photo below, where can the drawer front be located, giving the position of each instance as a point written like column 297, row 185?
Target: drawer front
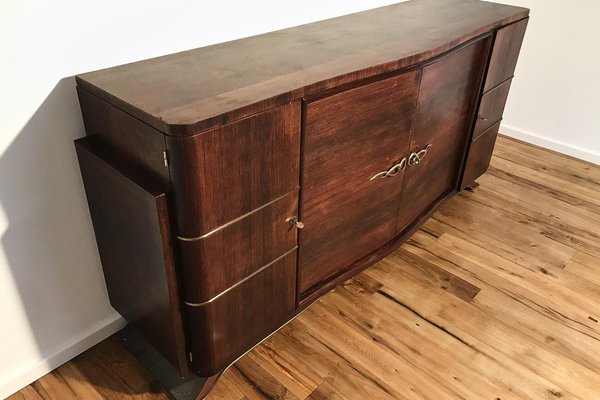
column 225, row 173
column 223, row 257
column 480, row 155
column 505, row 54
column 349, row 138
column 445, row 112
column 491, row 108
column 224, row 329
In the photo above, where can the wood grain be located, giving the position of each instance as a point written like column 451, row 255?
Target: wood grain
column 479, row 155
column 491, row 108
column 350, row 137
column 131, row 224
column 505, row 54
column 126, row 136
column 227, row 327
column 223, row 174
column 191, row 91
column 495, row 297
column 225, row 257
column 445, row 111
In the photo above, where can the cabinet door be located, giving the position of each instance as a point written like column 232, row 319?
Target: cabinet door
column 348, row 204
column 445, row 113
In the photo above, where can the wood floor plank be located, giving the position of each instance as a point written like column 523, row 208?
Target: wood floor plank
column 576, row 195
column 569, row 312
column 27, row 393
column 515, row 235
column 381, row 365
column 465, row 323
column 519, row 307
column 419, row 344
column 465, row 320
column 496, row 297
column 226, row 390
column 585, row 266
column 574, row 171
column 77, row 383
column 254, row 382
column 557, row 220
column 460, row 360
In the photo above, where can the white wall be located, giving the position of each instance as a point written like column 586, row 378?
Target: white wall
column 53, row 301
column 555, row 97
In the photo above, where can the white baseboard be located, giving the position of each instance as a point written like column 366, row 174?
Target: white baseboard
column 36, row 370
column 552, row 144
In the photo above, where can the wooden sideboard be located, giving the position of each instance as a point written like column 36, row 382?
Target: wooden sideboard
column 233, row 185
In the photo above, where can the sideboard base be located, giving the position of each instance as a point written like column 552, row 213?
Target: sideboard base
column 472, row 187
column 190, row 387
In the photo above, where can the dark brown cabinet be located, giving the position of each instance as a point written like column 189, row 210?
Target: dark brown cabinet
column 231, row 186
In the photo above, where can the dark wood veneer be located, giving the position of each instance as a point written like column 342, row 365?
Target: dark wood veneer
column 229, row 326
column 140, row 144
column 505, row 54
column 480, row 155
column 265, row 148
column 228, row 255
column 227, row 172
column 348, row 138
column 131, row 222
column 191, row 91
column 445, row 110
column 491, row 108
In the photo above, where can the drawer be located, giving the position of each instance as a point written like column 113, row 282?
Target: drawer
column 480, row 155
column 225, row 256
column 491, row 108
column 505, row 54
column 224, row 329
column 227, row 172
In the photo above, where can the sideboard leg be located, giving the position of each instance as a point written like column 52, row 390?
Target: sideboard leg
column 472, row 187
column 209, row 383
column 177, row 387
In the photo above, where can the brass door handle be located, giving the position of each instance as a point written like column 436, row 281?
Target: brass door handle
column 293, row 221
column 417, row 157
column 395, row 170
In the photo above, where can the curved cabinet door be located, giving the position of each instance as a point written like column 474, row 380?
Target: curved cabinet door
column 349, row 138
column 445, row 114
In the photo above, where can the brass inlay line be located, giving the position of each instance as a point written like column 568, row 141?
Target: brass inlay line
column 242, row 281
column 233, row 221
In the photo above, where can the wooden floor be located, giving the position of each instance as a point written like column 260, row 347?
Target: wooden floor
column 496, row 297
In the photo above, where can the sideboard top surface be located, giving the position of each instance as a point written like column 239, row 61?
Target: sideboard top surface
column 191, row 91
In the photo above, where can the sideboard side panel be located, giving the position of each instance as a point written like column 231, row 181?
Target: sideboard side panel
column 126, row 136
column 131, row 223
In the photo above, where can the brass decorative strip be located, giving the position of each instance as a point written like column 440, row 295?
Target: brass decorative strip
column 233, row 221
column 243, row 280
